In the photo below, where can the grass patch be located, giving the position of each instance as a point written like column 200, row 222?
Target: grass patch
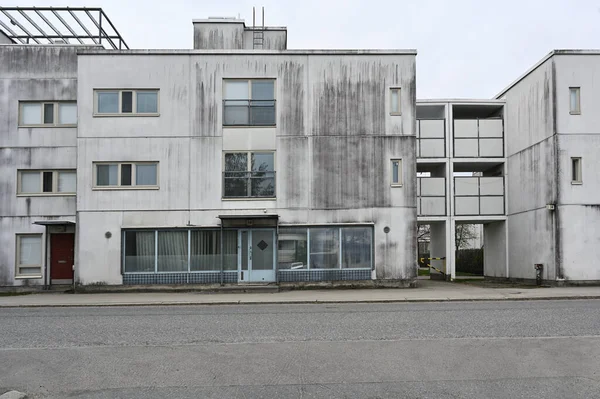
column 423, row 272
column 14, row 293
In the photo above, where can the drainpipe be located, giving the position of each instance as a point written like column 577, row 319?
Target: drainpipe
column 221, row 243
column 46, row 235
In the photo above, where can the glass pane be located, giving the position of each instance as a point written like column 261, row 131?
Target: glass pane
column 31, row 113
column 108, row 102
column 236, row 90
column 206, row 250
column 107, row 175
column 262, row 113
column 67, row 114
column 126, row 174
column 172, row 251
column 395, row 103
column 574, row 100
column 236, row 184
column 263, row 161
column 30, row 250
column 324, row 248
column 292, row 248
column 139, row 251
column 237, row 162
column 263, row 90
column 356, row 247
column 395, row 172
column 145, row 174
column 230, row 250
column 147, row 102
column 263, row 184
column 236, row 114
column 67, row 182
column 263, row 249
column 30, row 182
column 47, row 182
column 48, row 114
column 127, row 102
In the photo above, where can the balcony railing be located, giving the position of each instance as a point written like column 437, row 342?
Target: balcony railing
column 478, row 196
column 479, row 138
column 431, row 196
column 431, row 138
column 249, row 184
column 249, row 112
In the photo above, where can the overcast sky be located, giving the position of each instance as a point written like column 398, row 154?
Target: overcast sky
column 466, row 48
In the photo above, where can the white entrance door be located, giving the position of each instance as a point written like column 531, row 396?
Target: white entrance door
column 256, row 255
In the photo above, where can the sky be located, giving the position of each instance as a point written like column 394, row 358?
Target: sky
column 466, row 48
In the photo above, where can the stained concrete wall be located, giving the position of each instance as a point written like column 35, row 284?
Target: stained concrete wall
column 232, row 34
column 35, row 73
column 334, row 139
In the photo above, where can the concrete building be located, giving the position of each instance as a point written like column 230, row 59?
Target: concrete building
column 236, row 161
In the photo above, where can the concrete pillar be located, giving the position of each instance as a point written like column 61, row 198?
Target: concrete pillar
column 438, row 249
column 494, row 249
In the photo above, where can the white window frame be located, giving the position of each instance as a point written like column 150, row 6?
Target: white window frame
column 133, row 102
column 249, row 169
column 577, row 172
column 41, row 193
column 133, row 185
column 18, row 265
column 399, row 91
column 55, row 114
column 577, row 110
column 249, row 82
column 400, row 175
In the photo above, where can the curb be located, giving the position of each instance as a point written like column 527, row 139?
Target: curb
column 303, row 302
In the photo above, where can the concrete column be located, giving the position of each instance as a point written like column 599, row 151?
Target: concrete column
column 438, row 248
column 494, row 249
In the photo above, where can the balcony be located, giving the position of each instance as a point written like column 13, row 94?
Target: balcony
column 249, row 113
column 479, row 138
column 249, row 184
column 479, row 196
column 431, row 196
column 431, row 138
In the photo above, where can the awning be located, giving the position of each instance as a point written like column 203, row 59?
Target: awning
column 54, row 222
column 254, row 220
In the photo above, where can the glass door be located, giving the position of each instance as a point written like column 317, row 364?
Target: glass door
column 256, row 255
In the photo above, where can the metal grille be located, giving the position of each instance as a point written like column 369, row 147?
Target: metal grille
column 286, row 276
column 179, row 278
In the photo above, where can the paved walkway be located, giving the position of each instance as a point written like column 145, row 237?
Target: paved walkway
column 427, row 291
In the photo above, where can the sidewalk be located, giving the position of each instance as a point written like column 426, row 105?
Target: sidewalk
column 427, row 291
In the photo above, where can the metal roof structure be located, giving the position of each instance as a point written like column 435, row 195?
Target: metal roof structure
column 60, row 25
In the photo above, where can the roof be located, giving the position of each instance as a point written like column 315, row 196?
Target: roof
column 247, row 52
column 475, row 101
column 542, row 61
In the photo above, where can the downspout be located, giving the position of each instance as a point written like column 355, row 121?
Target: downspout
column 555, row 215
column 221, row 244
column 46, row 235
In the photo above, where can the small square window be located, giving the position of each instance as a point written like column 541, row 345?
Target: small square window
column 395, row 101
column 396, row 172
column 31, row 113
column 147, row 102
column 576, row 175
column 29, row 255
column 108, row 102
column 67, row 113
column 145, row 175
column 574, row 100
column 30, row 182
column 107, row 175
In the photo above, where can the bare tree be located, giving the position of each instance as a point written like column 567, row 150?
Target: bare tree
column 463, row 233
column 423, row 233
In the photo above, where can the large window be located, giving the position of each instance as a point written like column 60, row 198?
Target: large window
column 249, row 102
column 249, row 175
column 301, row 248
column 29, row 256
column 48, row 113
column 166, row 251
column 126, row 102
column 46, row 182
column 126, row 175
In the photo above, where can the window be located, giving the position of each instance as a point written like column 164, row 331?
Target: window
column 249, row 102
column 576, row 177
column 57, row 113
column 123, row 175
column 395, row 101
column 396, row 172
column 126, row 102
column 29, row 255
column 46, row 182
column 575, row 100
column 249, row 175
column 292, row 250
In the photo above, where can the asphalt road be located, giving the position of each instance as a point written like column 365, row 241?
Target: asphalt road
column 532, row 349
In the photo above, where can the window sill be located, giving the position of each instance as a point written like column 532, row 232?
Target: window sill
column 574, row 112
column 46, row 194
column 125, row 188
column 46, row 126
column 396, row 113
column 396, row 185
column 125, row 115
column 28, row 276
column 249, row 199
column 576, row 183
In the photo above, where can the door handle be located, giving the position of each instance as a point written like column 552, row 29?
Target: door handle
column 242, row 275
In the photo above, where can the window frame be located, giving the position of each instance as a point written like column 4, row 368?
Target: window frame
column 19, row 266
column 578, row 172
column 41, row 193
column 400, row 181
column 248, row 169
column 399, row 91
column 120, row 112
column 133, row 185
column 249, row 99
column 577, row 91
column 55, row 114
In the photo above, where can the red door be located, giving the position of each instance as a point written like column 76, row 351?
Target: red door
column 62, row 256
